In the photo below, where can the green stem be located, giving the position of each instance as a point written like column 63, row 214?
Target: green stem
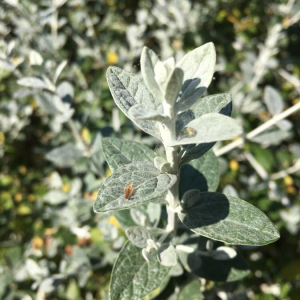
column 172, row 198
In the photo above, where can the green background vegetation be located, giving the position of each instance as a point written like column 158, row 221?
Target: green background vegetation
column 47, row 227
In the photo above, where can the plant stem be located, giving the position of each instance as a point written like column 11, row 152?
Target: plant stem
column 258, row 130
column 168, row 134
column 172, row 196
column 269, row 180
column 256, row 166
column 293, row 169
column 290, row 78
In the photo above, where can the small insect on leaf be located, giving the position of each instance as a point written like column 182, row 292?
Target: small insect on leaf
column 128, row 191
column 187, row 132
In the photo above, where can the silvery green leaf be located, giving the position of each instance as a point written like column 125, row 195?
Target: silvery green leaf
column 224, row 253
column 191, row 291
column 48, row 82
column 90, row 181
column 118, row 243
column 75, row 187
column 65, row 91
column 48, row 285
column 272, row 136
column 128, row 90
column 61, row 107
column 173, row 86
column 12, row 2
column 108, row 230
column 229, row 219
column 194, row 151
column 72, row 291
column 190, row 198
column 54, row 181
column 35, row 58
column 148, row 62
column 169, row 64
column 52, row 104
column 64, row 156
column 291, row 216
column 219, row 103
column 139, row 112
column 216, row 270
column 96, row 164
column 153, row 212
column 124, row 218
column 63, row 117
column 59, row 69
column 273, row 100
column 78, row 262
column 96, row 143
column 45, row 16
column 138, row 236
column 161, row 73
column 4, row 30
column 45, row 101
column 201, row 174
column 138, row 215
column 23, row 92
column 121, row 152
column 198, row 67
column 230, row 191
column 190, row 261
column 135, row 278
column 34, row 270
column 147, row 214
column 295, row 150
column 6, row 65
column 59, row 3
column 167, row 255
column 32, row 82
column 21, row 275
column 208, row 128
column 55, row 197
column 147, row 182
column 176, row 270
column 284, row 125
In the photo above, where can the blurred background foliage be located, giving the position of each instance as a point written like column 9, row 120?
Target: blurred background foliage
column 55, row 107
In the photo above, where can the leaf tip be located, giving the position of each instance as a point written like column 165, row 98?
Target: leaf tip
column 210, row 44
column 276, row 235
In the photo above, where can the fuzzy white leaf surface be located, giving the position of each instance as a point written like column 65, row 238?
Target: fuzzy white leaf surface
column 273, row 100
column 198, row 67
column 210, row 128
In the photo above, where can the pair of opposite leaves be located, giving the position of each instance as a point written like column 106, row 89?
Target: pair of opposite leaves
column 141, row 100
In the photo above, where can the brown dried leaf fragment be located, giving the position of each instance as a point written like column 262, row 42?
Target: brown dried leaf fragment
column 128, row 191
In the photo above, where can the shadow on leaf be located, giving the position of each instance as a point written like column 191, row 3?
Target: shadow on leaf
column 217, row 270
column 211, row 208
column 191, row 179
